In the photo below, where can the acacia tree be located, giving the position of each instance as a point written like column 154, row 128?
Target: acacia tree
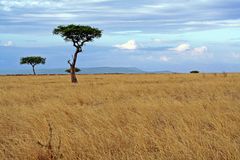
column 33, row 61
column 78, row 35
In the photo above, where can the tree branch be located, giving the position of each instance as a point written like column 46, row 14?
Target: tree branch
column 84, row 41
column 75, row 45
column 69, row 62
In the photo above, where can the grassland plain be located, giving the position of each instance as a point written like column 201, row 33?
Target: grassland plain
column 120, row 117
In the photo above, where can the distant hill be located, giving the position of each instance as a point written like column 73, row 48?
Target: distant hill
column 166, row 72
column 98, row 70
column 95, row 70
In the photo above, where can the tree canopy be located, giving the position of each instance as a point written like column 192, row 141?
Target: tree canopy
column 78, row 34
column 33, row 60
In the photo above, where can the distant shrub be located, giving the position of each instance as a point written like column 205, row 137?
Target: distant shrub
column 225, row 74
column 69, row 70
column 194, row 72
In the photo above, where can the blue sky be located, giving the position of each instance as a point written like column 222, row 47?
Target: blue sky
column 154, row 35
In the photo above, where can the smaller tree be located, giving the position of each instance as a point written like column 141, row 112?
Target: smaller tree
column 76, row 70
column 33, row 61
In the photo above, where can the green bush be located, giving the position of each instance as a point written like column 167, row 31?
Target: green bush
column 194, row 72
column 69, row 70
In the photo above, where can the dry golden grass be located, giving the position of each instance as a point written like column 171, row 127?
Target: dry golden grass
column 120, row 117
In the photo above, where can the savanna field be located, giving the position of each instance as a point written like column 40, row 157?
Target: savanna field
column 120, row 117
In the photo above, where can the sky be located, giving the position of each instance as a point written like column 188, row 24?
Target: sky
column 152, row 35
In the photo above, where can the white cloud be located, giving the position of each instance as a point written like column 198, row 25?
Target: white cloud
column 8, row 44
column 130, row 45
column 182, row 48
column 154, row 58
column 186, row 48
column 222, row 23
column 52, row 15
column 149, row 58
column 164, row 58
column 8, row 5
column 158, row 40
column 236, row 55
column 199, row 50
column 127, row 32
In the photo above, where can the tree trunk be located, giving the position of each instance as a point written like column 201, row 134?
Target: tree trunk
column 73, row 67
column 33, row 68
column 73, row 75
